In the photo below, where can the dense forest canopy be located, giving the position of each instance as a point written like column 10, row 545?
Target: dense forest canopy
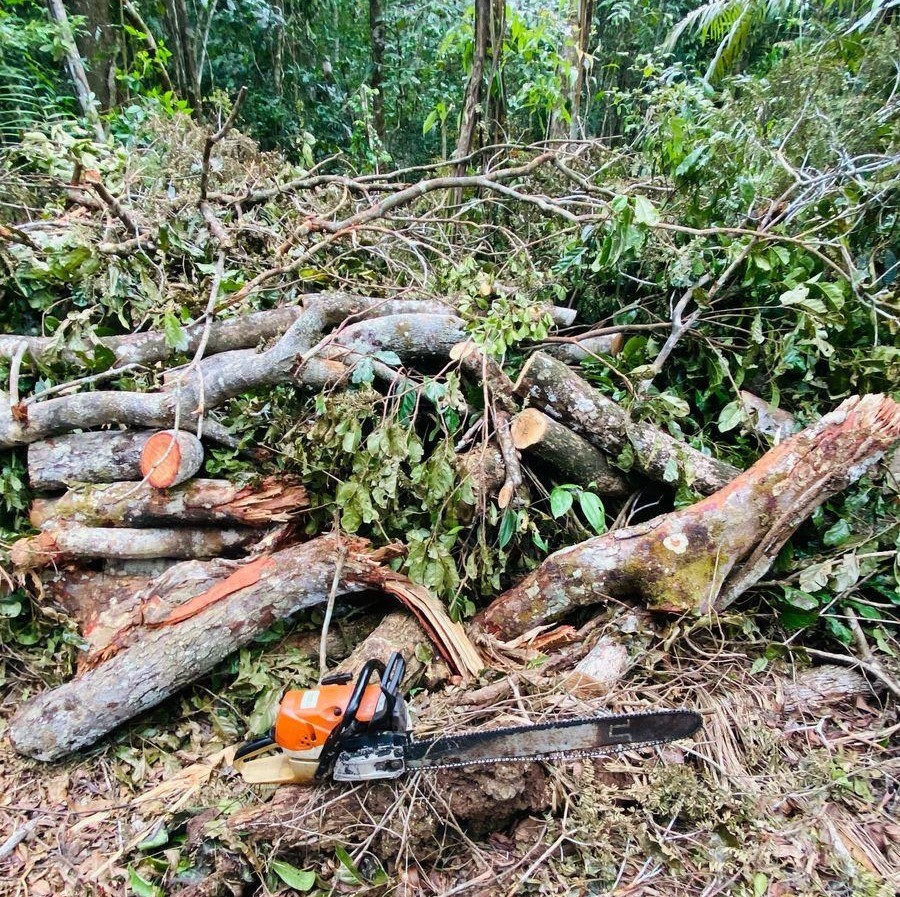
column 709, row 191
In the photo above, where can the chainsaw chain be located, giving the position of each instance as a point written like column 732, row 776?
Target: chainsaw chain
column 543, row 727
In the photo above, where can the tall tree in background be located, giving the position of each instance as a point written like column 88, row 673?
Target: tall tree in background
column 184, row 46
column 582, row 22
column 96, row 43
column 376, row 78
column 471, row 103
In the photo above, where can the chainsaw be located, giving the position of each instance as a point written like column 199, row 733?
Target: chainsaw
column 361, row 732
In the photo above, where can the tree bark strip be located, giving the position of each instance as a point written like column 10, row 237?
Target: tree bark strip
column 562, row 394
column 159, row 660
column 702, row 557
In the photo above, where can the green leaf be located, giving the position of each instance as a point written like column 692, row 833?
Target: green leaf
column 560, row 501
column 592, row 508
column 731, row 416
column 837, row 534
column 175, row 335
column 760, row 884
column 348, row 871
column 430, row 121
column 799, row 296
column 158, row 837
column 363, row 371
column 759, row 665
column 141, row 886
column 645, row 212
column 299, row 879
column 507, row 527
column 670, row 474
column 800, row 600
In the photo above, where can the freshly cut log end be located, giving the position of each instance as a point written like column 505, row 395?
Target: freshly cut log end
column 575, row 459
column 169, row 458
column 701, row 558
column 108, row 456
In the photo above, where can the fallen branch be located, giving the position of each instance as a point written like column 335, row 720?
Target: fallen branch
column 72, row 541
column 700, row 558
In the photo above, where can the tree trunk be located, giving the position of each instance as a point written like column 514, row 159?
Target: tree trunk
column 105, row 457
column 157, row 659
column 581, row 34
column 86, row 98
column 479, row 800
column 198, row 501
column 562, row 394
column 181, row 35
column 469, row 116
column 97, row 45
column 376, row 77
column 702, row 557
column 573, row 458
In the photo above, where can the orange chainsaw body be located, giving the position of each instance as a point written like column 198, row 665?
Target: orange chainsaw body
column 306, row 717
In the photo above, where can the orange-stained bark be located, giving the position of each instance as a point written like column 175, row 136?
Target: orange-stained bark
column 702, row 557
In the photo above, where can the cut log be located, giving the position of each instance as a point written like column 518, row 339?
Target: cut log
column 398, row 631
column 157, row 659
column 702, row 557
column 71, row 542
column 105, row 457
column 562, row 394
column 168, row 459
column 480, row 368
column 600, row 670
column 197, row 501
column 577, row 349
column 567, row 453
column 824, row 686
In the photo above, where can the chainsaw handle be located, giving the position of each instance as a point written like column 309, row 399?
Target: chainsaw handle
column 348, row 722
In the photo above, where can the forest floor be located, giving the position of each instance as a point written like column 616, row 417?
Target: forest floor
column 765, row 801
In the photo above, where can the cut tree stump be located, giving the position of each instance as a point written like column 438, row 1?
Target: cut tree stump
column 73, row 541
column 197, row 501
column 562, row 394
column 412, row 814
column 700, row 558
column 105, row 457
column 571, row 456
column 195, row 615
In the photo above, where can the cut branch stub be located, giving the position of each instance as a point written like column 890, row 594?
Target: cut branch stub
column 560, row 392
column 169, row 458
column 573, row 457
column 103, row 457
column 702, row 557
